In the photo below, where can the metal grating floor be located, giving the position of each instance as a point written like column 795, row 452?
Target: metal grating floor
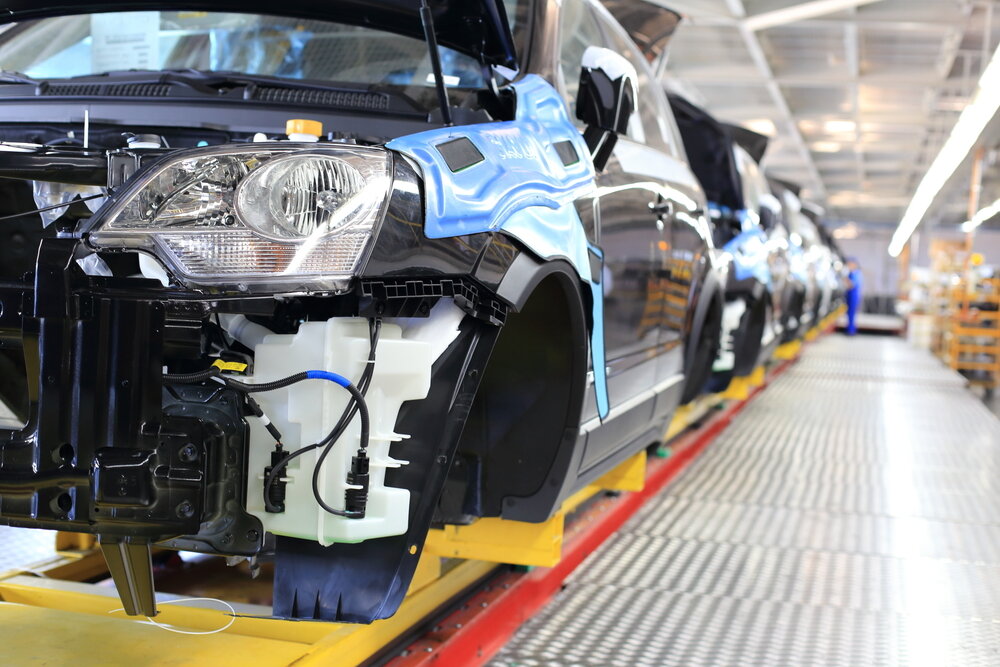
column 850, row 515
column 20, row 548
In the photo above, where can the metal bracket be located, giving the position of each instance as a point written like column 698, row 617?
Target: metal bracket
column 131, row 567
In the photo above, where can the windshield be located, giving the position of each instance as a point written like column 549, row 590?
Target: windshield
column 86, row 44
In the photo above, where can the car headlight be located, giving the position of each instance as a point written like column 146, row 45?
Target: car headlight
column 292, row 217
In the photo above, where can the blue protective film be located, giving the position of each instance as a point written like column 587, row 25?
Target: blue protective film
column 521, row 187
column 750, row 253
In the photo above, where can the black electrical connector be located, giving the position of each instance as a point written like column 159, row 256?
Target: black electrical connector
column 275, row 490
column 264, row 419
column 356, row 500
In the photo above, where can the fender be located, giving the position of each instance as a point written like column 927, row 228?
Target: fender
column 521, row 177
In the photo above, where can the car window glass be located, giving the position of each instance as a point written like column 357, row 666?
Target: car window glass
column 577, row 30
column 259, row 44
column 648, row 126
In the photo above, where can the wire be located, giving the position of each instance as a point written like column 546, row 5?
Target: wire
column 162, row 626
column 49, row 208
column 355, row 406
column 360, row 407
column 375, row 329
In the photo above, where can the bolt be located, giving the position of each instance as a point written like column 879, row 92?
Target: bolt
column 252, row 535
column 442, row 459
column 226, row 539
column 185, row 510
column 188, row 453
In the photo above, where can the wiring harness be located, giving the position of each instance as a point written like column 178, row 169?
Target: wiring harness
column 356, row 495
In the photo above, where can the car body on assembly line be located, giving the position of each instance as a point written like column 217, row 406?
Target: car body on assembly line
column 288, row 282
column 736, row 192
column 805, row 299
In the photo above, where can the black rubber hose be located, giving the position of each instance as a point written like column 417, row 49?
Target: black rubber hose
column 362, row 409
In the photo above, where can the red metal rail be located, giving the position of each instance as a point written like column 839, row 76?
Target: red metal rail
column 486, row 621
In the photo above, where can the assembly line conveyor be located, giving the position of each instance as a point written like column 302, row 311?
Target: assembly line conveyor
column 849, row 516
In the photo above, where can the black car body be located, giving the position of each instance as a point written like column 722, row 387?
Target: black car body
column 522, row 300
column 804, row 300
column 735, row 190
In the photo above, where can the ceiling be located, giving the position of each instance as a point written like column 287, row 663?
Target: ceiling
column 858, row 95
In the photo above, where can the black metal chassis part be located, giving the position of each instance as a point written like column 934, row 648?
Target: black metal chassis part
column 106, row 448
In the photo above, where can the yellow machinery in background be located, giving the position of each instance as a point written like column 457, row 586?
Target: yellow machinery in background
column 972, row 339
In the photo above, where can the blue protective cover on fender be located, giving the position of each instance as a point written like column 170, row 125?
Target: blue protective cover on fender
column 521, row 187
column 750, row 256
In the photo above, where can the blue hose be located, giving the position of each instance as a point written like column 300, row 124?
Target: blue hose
column 327, row 375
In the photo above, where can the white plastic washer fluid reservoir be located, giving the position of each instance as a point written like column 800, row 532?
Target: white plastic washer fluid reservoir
column 307, row 411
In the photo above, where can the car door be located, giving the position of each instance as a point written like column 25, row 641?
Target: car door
column 634, row 212
column 659, row 162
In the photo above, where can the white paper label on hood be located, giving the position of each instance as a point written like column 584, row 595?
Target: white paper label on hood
column 124, row 40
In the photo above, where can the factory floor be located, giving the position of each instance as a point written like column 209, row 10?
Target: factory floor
column 850, row 515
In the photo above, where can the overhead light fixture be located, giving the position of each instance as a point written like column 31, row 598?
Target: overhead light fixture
column 981, row 216
column 800, row 12
column 839, row 126
column 763, row 126
column 963, row 137
column 809, row 126
column 826, row 146
column 846, row 232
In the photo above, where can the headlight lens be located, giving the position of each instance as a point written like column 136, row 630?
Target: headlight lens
column 297, row 197
column 285, row 216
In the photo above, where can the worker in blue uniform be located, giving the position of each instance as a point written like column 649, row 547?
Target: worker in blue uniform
column 853, row 295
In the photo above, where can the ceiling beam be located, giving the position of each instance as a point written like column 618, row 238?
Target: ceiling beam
column 822, row 78
column 759, row 58
column 800, row 12
column 852, row 51
column 924, row 25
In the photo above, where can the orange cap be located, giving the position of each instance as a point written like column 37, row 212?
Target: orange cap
column 304, row 126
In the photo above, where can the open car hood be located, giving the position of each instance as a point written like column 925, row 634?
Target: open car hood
column 752, row 142
column 709, row 147
column 478, row 28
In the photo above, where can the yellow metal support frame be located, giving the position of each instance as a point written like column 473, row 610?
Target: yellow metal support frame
column 535, row 544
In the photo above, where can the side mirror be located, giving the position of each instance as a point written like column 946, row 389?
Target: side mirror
column 605, row 101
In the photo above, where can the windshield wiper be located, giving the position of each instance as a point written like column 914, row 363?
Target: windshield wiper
column 215, row 79
column 232, row 86
column 8, row 76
